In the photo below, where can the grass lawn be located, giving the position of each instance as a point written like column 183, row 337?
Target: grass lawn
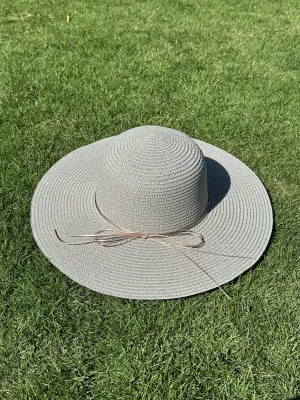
column 72, row 72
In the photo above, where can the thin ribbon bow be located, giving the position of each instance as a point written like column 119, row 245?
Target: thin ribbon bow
column 119, row 236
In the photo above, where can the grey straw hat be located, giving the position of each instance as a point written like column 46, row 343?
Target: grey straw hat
column 151, row 214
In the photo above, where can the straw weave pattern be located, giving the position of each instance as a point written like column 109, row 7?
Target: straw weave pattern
column 239, row 219
column 153, row 180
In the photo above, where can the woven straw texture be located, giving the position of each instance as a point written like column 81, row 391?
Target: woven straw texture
column 160, row 186
column 153, row 180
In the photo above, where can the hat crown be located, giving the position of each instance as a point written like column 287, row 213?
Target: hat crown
column 153, row 180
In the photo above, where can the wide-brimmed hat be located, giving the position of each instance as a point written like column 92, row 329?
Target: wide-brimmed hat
column 151, row 214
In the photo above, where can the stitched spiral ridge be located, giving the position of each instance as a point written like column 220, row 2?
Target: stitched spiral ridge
column 153, row 180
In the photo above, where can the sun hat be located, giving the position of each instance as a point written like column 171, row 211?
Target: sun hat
column 151, row 214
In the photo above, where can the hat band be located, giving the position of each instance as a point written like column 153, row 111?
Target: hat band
column 119, row 236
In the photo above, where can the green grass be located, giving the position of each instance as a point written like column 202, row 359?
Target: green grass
column 223, row 71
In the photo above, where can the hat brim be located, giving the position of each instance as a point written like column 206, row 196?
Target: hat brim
column 237, row 229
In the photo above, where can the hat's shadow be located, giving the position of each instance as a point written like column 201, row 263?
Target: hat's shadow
column 218, row 183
